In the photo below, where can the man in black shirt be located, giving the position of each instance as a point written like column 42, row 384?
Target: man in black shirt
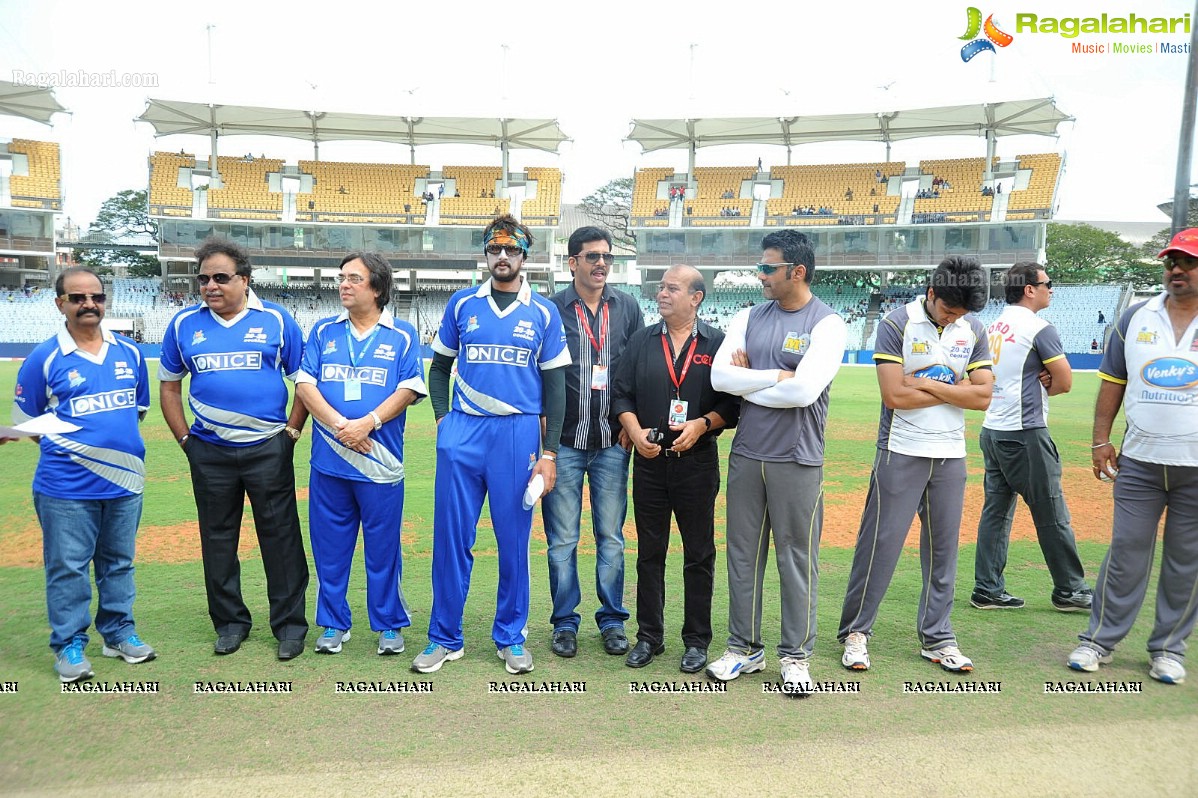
column 665, row 402
column 598, row 322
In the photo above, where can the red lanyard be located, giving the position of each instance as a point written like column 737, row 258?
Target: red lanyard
column 667, row 351
column 583, row 324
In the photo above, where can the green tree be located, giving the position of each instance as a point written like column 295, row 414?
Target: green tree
column 1159, row 241
column 123, row 219
column 611, row 207
column 1082, row 253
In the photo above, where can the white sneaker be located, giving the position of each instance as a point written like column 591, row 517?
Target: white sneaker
column 330, row 642
column 948, row 657
column 434, row 656
column 1087, row 659
column 796, row 679
column 733, row 664
column 1167, row 670
column 856, row 655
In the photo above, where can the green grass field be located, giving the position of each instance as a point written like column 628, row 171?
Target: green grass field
column 464, row 739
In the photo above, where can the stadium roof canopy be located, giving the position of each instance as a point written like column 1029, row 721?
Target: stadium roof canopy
column 29, row 102
column 170, row 117
column 991, row 120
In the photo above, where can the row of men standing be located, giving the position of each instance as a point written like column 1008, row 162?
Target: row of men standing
column 517, row 362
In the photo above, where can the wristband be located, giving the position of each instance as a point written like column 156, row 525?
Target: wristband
column 378, row 422
column 550, row 456
column 183, row 440
column 1100, row 445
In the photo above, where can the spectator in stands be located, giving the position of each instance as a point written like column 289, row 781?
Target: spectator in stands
column 848, row 193
column 1018, row 452
column 237, row 350
column 357, row 469
column 341, row 190
column 482, row 192
column 87, row 488
column 598, row 321
column 878, row 175
column 873, row 192
column 1101, row 317
column 491, row 194
column 1094, row 345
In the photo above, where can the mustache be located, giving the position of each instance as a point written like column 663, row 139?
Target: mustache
column 83, row 313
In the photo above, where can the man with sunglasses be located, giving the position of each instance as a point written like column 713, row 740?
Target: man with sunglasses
column 598, row 322
column 87, row 489
column 780, row 357
column 510, row 348
column 1151, row 368
column 237, row 349
column 1020, row 456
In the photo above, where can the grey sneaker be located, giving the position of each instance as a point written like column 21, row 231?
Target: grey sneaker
column 71, row 665
column 515, row 659
column 390, row 642
column 433, row 657
column 330, row 642
column 1087, row 659
column 132, row 650
column 1077, row 601
column 1167, row 670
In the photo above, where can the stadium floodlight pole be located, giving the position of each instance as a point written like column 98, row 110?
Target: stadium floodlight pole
column 1185, row 147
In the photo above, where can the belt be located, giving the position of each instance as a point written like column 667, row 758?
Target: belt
column 669, row 453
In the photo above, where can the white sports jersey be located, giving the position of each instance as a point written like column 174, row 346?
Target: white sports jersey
column 1020, row 344
column 1161, row 375
column 908, row 337
column 501, row 354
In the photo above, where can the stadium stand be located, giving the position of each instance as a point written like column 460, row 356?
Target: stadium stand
column 546, row 207
column 828, row 186
column 1037, row 199
column 361, row 192
column 245, row 193
column 42, row 187
column 479, row 189
column 964, row 200
column 167, row 198
column 645, row 191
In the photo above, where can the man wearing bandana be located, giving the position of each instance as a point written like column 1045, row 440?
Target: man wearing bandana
column 510, row 349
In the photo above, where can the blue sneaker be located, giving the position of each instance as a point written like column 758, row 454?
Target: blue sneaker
column 71, row 665
column 132, row 650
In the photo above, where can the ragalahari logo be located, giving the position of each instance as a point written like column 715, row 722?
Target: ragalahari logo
column 993, row 36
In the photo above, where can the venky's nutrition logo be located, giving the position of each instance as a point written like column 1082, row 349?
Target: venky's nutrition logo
column 993, row 36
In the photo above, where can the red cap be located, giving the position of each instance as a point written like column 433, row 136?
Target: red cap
column 1186, row 241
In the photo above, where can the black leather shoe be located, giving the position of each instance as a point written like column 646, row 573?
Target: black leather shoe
column 565, row 643
column 227, row 644
column 614, row 641
column 642, row 654
column 290, row 649
column 693, row 660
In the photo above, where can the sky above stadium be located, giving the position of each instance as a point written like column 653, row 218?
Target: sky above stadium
column 596, row 67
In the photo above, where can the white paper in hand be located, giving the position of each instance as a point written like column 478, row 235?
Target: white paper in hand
column 536, row 487
column 42, row 425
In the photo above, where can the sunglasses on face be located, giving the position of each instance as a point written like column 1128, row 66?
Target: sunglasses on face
column 770, row 268
column 79, row 299
column 220, row 278
column 495, row 249
column 594, row 257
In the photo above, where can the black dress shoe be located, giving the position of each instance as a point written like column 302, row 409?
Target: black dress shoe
column 290, row 649
column 614, row 641
column 693, row 660
column 565, row 643
column 227, row 644
column 642, row 654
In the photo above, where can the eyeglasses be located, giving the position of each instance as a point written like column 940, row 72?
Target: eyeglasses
column 352, row 279
column 593, row 257
column 220, row 278
column 79, row 299
column 770, row 268
column 1046, row 282
column 495, row 249
column 1183, row 263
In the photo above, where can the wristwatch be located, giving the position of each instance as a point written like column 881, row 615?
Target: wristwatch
column 378, row 422
column 706, row 421
column 293, row 433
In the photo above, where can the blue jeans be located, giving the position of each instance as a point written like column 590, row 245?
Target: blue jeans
column 607, row 474
column 76, row 533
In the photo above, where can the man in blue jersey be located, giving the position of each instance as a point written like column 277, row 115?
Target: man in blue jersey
column 237, row 350
column 1151, row 369
column 361, row 371
column 87, row 489
column 1020, row 456
column 510, row 350
column 933, row 364
column 780, row 357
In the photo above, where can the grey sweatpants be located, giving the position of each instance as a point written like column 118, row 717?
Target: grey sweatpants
column 1141, row 493
column 900, row 487
column 786, row 499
